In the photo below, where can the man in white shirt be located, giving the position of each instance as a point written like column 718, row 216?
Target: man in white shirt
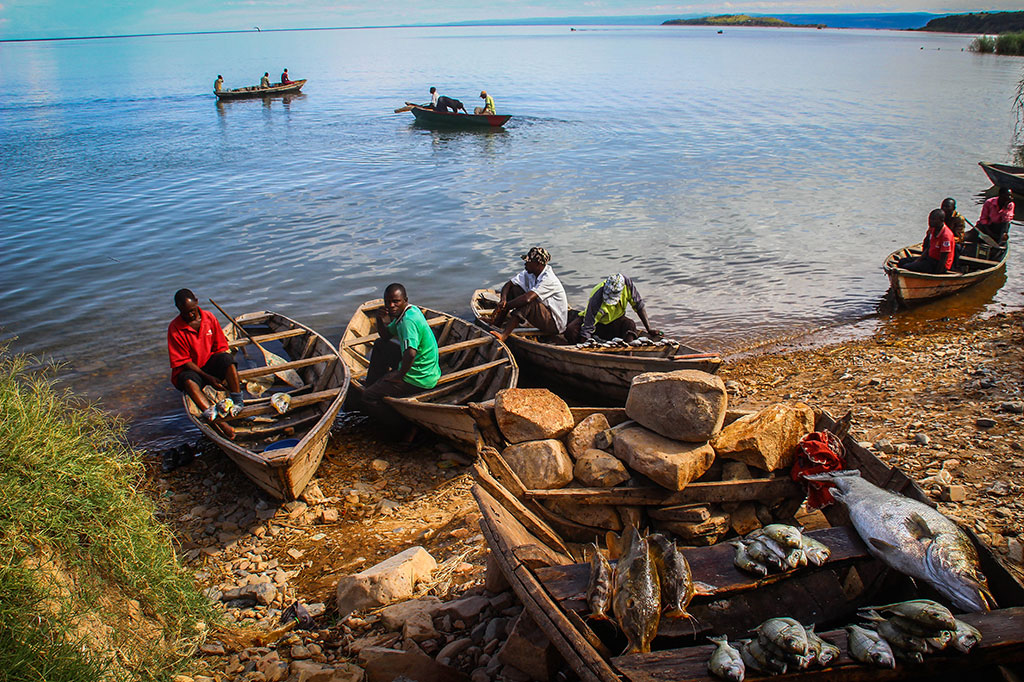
column 533, row 296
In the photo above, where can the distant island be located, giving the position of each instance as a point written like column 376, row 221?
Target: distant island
column 738, row 20
column 989, row 23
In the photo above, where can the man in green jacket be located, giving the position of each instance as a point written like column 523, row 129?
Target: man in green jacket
column 605, row 316
column 404, row 360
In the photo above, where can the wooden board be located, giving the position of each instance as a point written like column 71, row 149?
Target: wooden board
column 710, row 492
column 1002, row 642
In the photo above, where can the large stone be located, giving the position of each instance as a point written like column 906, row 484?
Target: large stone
column 598, row 469
column 389, row 581
column 767, row 439
column 392, row 617
column 743, row 518
column 685, row 405
column 669, row 463
column 581, row 438
column 540, row 464
column 466, row 609
column 530, row 651
column 594, row 515
column 412, row 667
column 531, row 414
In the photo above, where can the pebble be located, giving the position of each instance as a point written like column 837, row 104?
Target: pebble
column 922, row 439
column 985, row 422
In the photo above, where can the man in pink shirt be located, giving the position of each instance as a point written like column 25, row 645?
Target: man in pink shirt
column 995, row 218
column 938, row 257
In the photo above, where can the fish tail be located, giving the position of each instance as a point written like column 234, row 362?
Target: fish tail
column 718, row 639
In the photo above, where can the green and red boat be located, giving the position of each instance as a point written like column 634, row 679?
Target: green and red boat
column 428, row 116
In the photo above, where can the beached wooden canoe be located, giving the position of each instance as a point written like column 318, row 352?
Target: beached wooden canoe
column 601, row 374
column 446, row 118
column 474, row 367
column 256, row 91
column 978, row 261
column 1001, row 175
column 549, row 576
column 280, row 453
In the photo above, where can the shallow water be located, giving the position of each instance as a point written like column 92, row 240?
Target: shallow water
column 751, row 182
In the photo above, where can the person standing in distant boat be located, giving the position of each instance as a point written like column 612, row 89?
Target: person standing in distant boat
column 285, row 80
column 404, row 360
column 445, row 104
column 605, row 316
column 488, row 107
column 218, row 84
column 433, row 98
column 265, row 81
column 996, row 215
column 937, row 256
column 533, row 296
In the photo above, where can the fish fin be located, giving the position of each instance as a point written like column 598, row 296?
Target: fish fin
column 988, row 598
column 703, row 588
column 870, row 614
column 918, row 527
column 613, row 542
column 882, row 545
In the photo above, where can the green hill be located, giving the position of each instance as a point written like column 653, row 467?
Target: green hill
column 737, row 20
column 979, row 22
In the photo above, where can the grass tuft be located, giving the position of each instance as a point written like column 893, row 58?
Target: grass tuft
column 90, row 586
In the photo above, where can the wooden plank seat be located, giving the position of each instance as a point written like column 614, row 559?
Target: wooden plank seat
column 296, row 402
column 288, row 421
column 246, row 374
column 370, row 338
column 455, row 376
column 265, row 338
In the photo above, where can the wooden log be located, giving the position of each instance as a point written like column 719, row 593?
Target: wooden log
column 247, row 374
column 710, row 492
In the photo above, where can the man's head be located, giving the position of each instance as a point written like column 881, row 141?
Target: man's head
column 266, row 73
column 483, row 94
column 1005, row 197
column 613, row 287
column 936, row 218
column 395, row 299
column 948, row 206
column 187, row 304
column 432, row 90
column 535, row 260
column 220, row 77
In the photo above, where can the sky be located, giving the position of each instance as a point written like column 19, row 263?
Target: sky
column 20, row 19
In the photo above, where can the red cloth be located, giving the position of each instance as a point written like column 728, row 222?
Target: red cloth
column 817, row 453
column 185, row 344
column 940, row 246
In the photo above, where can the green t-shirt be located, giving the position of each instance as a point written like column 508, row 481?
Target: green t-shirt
column 412, row 331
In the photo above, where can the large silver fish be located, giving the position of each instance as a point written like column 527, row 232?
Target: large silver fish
column 637, row 595
column 914, row 539
column 726, row 663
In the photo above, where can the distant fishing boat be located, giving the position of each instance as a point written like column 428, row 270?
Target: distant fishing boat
column 256, row 91
column 444, row 118
column 1001, row 175
column 976, row 263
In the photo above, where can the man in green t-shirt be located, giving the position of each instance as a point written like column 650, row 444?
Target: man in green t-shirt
column 404, row 360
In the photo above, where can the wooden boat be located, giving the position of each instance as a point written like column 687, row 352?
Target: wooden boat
column 603, row 374
column 978, row 261
column 280, row 453
column 549, row 577
column 429, row 116
column 1002, row 175
column 256, row 91
column 474, row 367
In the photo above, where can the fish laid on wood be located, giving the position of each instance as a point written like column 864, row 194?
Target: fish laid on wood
column 965, row 636
column 787, row 536
column 757, row 657
column 914, row 539
column 637, row 594
column 599, row 590
column 825, row 652
column 786, row 634
column 761, row 553
column 726, row 663
column 817, row 552
column 925, row 612
column 677, row 587
column 867, row 646
column 744, row 562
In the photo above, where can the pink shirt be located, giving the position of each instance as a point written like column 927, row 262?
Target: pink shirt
column 991, row 213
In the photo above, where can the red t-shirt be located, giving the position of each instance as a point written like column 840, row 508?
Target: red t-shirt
column 185, row 344
column 940, row 246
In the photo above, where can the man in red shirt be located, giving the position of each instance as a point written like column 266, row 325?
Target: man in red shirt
column 199, row 356
column 996, row 215
column 938, row 258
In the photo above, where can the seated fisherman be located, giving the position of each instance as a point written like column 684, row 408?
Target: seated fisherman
column 605, row 315
column 404, row 360
column 488, row 107
column 954, row 221
column 200, row 357
column 265, row 81
column 996, row 215
column 285, row 80
column 433, row 98
column 534, row 296
column 937, row 257
column 445, row 104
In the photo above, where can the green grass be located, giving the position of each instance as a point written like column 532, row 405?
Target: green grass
column 90, row 586
column 1005, row 44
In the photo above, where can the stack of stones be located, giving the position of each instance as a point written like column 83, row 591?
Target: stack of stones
column 676, row 434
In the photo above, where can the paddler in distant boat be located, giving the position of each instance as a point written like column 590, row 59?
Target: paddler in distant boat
column 445, row 104
column 218, row 84
column 433, row 99
column 285, row 80
column 404, row 359
column 534, row 296
column 488, row 107
column 996, row 214
column 938, row 250
column 605, row 316
column 265, row 81
column 200, row 357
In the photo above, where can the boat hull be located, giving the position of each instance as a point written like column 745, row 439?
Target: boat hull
column 444, row 118
column 918, row 287
column 255, row 92
column 474, row 367
column 604, row 376
column 284, row 473
column 1001, row 175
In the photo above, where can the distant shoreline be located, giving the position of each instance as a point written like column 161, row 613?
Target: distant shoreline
column 733, row 20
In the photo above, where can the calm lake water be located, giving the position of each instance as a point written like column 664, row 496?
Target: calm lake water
column 751, row 182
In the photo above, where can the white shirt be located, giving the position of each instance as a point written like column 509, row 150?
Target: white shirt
column 433, row 99
column 550, row 292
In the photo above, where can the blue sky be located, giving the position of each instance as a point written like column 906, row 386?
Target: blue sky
column 64, row 18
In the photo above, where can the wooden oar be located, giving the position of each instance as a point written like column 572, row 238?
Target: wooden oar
column 984, row 237
column 408, row 107
column 289, row 376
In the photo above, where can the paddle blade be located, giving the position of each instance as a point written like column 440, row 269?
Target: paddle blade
column 400, row 110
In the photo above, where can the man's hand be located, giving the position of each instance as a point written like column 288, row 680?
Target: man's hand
column 655, row 334
column 215, row 382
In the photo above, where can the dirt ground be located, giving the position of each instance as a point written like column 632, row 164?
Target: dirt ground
column 945, row 404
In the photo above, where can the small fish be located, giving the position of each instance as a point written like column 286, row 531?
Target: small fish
column 817, row 552
column 726, row 663
column 787, row 536
column 922, row 611
column 599, row 590
column 867, row 646
column 765, row 661
column 636, row 599
column 899, row 639
column 744, row 562
column 760, row 553
column 785, row 633
column 825, row 651
column 907, row 656
column 676, row 578
column 940, row 641
column 281, row 402
column 796, row 558
column 748, row 660
column 965, row 636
